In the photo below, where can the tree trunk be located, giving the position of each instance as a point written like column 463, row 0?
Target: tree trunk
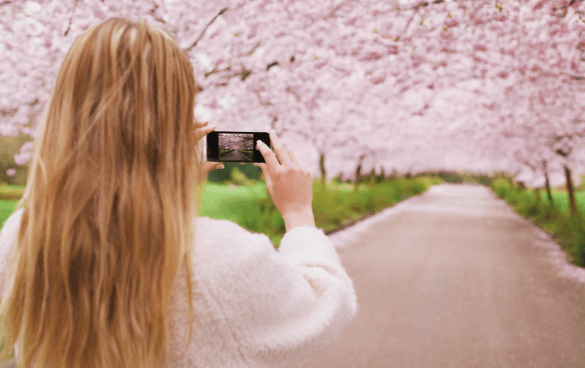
column 357, row 177
column 322, row 168
column 548, row 190
column 571, row 190
column 357, row 173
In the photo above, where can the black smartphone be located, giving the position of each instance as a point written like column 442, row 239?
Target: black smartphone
column 235, row 146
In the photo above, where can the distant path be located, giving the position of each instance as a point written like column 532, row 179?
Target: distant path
column 457, row 279
column 236, row 156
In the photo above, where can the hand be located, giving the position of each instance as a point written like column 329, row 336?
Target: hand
column 289, row 186
column 201, row 131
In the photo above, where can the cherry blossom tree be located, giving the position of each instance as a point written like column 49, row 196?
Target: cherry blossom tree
column 405, row 85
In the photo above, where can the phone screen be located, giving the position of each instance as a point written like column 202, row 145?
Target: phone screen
column 235, row 146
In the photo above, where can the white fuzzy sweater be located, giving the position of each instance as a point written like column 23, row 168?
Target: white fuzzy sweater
column 254, row 306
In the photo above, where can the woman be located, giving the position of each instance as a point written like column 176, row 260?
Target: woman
column 103, row 264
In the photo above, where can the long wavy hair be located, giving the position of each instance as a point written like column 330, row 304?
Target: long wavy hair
column 110, row 206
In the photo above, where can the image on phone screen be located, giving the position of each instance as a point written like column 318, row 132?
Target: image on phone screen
column 235, row 146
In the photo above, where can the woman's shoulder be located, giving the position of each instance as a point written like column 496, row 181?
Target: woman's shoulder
column 9, row 231
column 217, row 237
column 8, row 237
column 210, row 229
column 218, row 230
column 13, row 221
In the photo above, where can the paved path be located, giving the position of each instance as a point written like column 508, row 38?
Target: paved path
column 236, row 156
column 454, row 278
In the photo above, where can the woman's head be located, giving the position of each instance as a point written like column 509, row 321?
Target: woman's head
column 124, row 97
column 111, row 196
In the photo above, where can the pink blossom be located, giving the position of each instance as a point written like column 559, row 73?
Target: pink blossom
column 395, row 74
column 451, row 22
column 479, row 47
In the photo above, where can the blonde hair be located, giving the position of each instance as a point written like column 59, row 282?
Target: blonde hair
column 113, row 193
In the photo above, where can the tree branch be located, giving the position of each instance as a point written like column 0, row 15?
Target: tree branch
column 407, row 25
column 153, row 12
column 424, row 3
column 205, row 29
column 258, row 44
column 271, row 65
column 71, row 18
column 332, row 13
column 416, row 8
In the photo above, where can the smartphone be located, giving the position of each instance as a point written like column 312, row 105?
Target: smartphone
column 235, row 146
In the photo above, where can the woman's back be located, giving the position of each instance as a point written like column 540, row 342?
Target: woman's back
column 95, row 257
column 254, row 306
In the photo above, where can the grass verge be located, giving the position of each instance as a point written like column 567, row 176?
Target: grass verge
column 11, row 192
column 335, row 206
column 569, row 232
column 250, row 206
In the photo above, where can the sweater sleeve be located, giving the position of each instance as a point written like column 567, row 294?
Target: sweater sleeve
column 8, row 237
column 282, row 306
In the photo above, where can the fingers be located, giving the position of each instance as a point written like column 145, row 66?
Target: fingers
column 293, row 158
column 202, row 129
column 269, row 157
column 208, row 167
column 281, row 152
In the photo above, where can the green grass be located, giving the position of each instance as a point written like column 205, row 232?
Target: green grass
column 568, row 231
column 561, row 200
column 251, row 207
column 11, row 192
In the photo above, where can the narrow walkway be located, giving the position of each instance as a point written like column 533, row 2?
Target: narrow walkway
column 454, row 278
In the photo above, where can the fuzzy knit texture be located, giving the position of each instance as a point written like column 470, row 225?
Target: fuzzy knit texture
column 254, row 306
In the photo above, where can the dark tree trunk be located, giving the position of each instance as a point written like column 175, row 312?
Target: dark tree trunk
column 571, row 190
column 357, row 177
column 322, row 168
column 521, row 187
column 358, row 173
column 372, row 178
column 548, row 190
